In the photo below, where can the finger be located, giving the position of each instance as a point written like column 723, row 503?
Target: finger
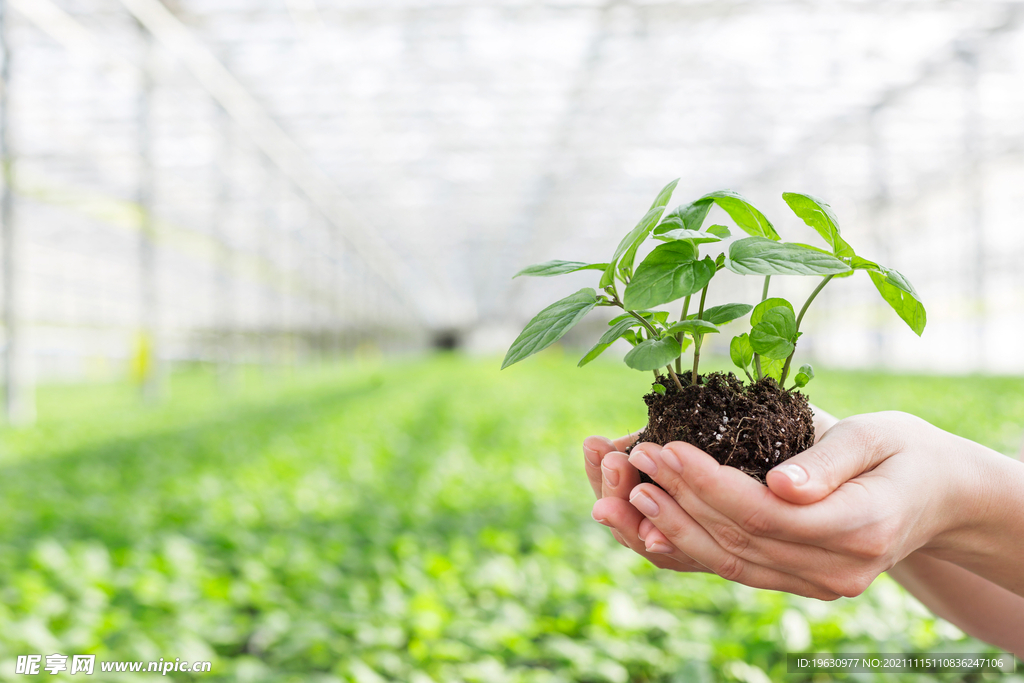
column 623, row 443
column 594, row 450
column 822, row 422
column 755, row 508
column 657, row 542
column 619, row 477
column 849, row 448
column 624, row 520
column 736, row 537
column 693, row 540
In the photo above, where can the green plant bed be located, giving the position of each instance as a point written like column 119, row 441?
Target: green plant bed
column 360, row 525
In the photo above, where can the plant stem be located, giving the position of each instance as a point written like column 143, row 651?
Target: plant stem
column 764, row 296
column 799, row 319
column 697, row 339
column 646, row 324
column 679, row 337
column 675, row 378
column 654, row 335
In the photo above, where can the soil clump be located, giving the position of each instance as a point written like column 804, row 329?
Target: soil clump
column 750, row 427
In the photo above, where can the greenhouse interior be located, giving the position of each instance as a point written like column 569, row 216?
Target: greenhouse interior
column 258, row 264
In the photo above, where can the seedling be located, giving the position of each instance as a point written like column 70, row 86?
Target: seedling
column 676, row 271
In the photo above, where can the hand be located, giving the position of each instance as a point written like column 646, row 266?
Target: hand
column 874, row 489
column 612, row 478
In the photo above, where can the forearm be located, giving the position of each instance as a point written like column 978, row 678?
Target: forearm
column 988, row 501
column 976, row 606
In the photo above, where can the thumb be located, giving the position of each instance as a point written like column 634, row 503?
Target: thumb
column 850, row 448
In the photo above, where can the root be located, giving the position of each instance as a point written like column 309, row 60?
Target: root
column 736, row 441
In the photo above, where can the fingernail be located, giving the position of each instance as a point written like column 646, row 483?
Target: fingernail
column 796, row 474
column 591, row 456
column 659, row 547
column 643, row 462
column 672, row 460
column 645, row 504
column 610, row 476
column 600, row 520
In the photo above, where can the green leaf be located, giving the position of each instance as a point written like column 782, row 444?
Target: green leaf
column 691, row 236
column 624, row 258
column 748, row 218
column 549, row 325
column 665, row 194
column 740, row 351
column 725, row 313
column 812, row 248
column 551, row 268
column 901, row 295
column 804, row 375
column 817, row 214
column 651, row 316
column 858, row 263
column 719, row 231
column 653, row 354
column 694, row 327
column 768, row 304
column 760, row 256
column 687, row 217
column 772, row 368
column 638, row 233
column 617, row 330
column 846, row 259
column 607, row 339
column 595, row 351
column 668, row 273
column 658, row 389
column 775, row 335
column 608, row 277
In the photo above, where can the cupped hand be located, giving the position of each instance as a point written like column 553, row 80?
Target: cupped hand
column 612, row 479
column 611, row 476
column 872, row 490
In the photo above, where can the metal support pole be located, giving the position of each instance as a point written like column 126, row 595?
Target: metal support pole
column 334, row 284
column 267, row 223
column 223, row 323
column 975, row 199
column 881, row 220
column 325, row 286
column 285, row 247
column 147, row 349
column 19, row 405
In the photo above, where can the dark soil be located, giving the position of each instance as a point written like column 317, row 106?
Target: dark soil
column 750, row 427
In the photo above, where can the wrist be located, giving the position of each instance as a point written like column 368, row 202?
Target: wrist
column 981, row 509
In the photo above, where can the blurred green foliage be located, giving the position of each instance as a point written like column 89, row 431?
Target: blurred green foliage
column 428, row 520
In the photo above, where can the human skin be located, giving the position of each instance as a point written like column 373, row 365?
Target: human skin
column 879, row 492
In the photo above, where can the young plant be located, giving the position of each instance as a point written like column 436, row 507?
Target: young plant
column 775, row 327
column 675, row 271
